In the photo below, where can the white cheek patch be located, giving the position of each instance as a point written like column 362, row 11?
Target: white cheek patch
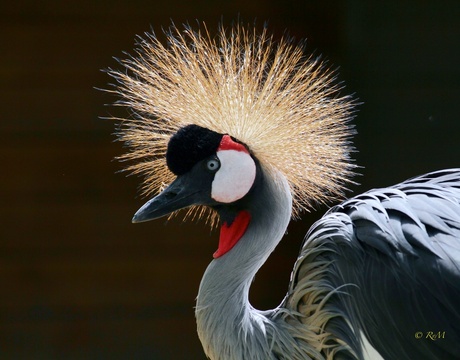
column 235, row 177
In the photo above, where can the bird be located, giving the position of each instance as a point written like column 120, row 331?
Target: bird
column 247, row 132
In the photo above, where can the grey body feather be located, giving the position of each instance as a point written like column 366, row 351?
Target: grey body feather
column 395, row 253
column 385, row 263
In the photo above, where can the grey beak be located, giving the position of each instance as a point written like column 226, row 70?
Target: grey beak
column 178, row 195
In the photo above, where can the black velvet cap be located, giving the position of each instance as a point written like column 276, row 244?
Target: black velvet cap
column 189, row 145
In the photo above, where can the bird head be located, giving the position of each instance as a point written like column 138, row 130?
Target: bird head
column 213, row 170
column 210, row 113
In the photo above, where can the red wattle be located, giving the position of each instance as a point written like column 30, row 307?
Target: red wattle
column 231, row 234
column 228, row 144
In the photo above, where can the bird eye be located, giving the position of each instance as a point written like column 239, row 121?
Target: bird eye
column 213, row 164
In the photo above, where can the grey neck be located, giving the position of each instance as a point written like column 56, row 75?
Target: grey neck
column 226, row 321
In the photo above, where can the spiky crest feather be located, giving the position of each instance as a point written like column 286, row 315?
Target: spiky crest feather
column 266, row 94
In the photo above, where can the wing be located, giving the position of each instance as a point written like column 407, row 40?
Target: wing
column 387, row 263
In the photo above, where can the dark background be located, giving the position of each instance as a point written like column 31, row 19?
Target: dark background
column 78, row 280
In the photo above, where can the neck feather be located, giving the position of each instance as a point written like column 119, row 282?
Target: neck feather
column 225, row 318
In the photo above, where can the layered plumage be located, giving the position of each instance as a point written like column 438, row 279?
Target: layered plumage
column 393, row 267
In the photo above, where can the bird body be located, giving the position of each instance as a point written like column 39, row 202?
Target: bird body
column 395, row 257
column 256, row 133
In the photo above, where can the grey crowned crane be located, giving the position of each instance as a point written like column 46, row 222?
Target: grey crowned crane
column 255, row 132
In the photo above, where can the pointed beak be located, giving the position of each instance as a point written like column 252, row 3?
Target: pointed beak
column 178, row 195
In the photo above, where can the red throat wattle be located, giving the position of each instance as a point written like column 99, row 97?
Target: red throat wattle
column 231, row 234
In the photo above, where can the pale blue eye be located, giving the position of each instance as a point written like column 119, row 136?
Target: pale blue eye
column 213, row 164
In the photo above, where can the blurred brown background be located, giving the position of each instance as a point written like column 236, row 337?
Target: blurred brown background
column 78, row 280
